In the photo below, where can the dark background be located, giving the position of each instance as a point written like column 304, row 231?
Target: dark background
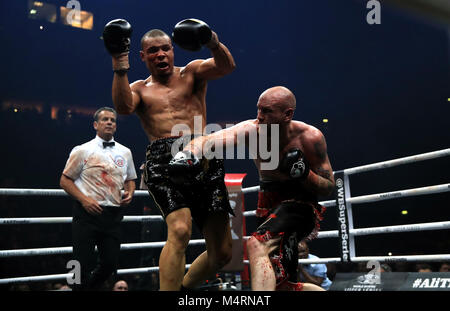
column 384, row 89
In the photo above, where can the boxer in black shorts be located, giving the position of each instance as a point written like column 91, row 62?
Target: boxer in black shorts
column 205, row 193
column 167, row 98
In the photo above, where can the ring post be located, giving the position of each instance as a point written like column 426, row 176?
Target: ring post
column 344, row 215
column 236, row 197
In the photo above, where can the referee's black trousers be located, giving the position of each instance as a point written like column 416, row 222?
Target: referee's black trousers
column 102, row 231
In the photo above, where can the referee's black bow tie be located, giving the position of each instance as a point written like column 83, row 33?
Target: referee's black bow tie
column 110, row 144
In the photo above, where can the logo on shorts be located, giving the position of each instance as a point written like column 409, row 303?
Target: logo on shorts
column 119, row 160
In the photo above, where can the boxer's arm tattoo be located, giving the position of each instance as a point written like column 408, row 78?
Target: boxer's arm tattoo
column 326, row 181
column 322, row 181
column 323, row 172
column 321, row 149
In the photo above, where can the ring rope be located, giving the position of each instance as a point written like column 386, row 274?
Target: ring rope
column 63, row 220
column 441, row 225
column 57, row 277
column 355, row 200
column 348, row 171
column 406, row 258
column 399, row 161
column 68, row 249
column 38, row 278
column 401, row 193
column 323, row 234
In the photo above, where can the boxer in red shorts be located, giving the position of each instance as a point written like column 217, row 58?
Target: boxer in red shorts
column 288, row 208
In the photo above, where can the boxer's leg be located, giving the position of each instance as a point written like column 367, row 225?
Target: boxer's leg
column 262, row 271
column 217, row 233
column 172, row 260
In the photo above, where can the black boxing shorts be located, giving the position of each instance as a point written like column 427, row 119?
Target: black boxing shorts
column 206, row 194
column 284, row 213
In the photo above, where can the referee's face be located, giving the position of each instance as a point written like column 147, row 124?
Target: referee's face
column 105, row 125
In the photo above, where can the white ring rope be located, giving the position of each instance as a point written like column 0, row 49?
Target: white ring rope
column 58, row 277
column 250, row 189
column 401, row 193
column 51, row 192
column 406, row 258
column 348, row 171
column 68, row 249
column 383, row 196
column 355, row 200
column 400, row 161
column 442, row 225
column 38, row 278
column 64, row 220
column 322, row 234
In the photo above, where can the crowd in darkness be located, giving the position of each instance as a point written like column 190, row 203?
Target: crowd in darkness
column 35, row 148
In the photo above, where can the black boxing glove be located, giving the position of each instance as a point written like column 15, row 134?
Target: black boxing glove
column 184, row 166
column 117, row 36
column 117, row 39
column 294, row 164
column 191, row 34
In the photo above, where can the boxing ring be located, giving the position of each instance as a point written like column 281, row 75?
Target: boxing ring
column 345, row 234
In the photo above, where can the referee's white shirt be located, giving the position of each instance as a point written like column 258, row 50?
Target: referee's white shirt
column 100, row 173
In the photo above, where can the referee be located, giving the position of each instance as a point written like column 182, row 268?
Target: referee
column 94, row 175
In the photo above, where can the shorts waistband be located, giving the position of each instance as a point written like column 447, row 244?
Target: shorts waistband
column 163, row 139
column 276, row 185
column 287, row 189
column 170, row 138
